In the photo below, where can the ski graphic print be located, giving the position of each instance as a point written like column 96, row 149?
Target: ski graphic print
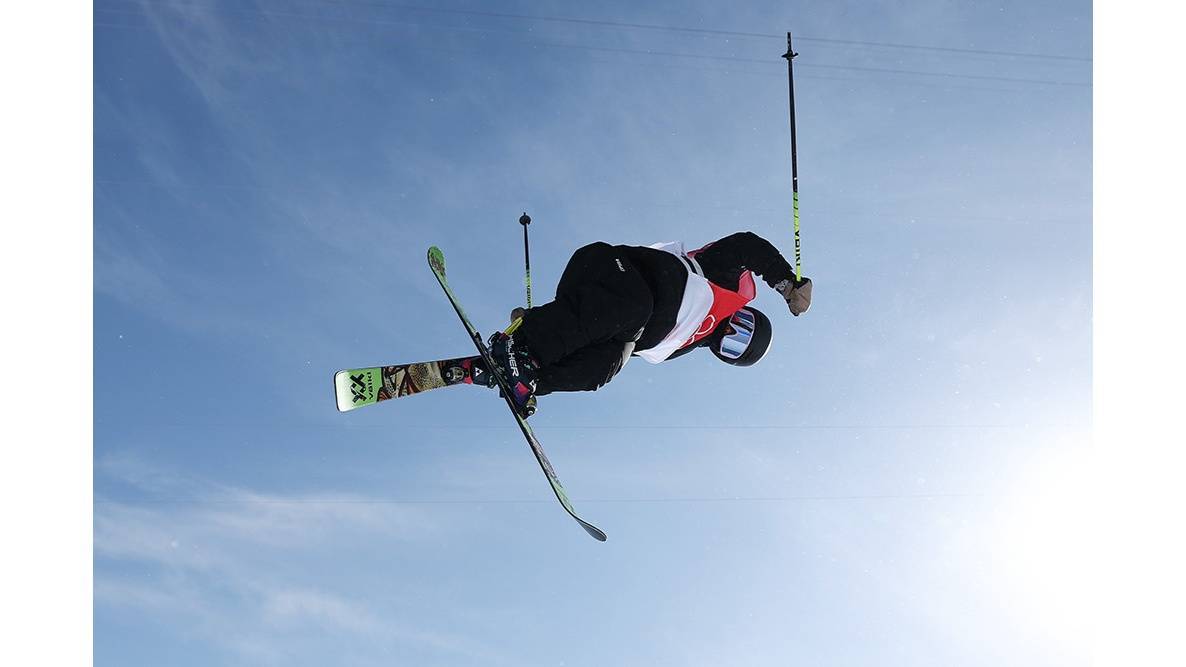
column 436, row 260
column 359, row 387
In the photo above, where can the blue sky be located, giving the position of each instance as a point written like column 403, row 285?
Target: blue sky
column 893, row 485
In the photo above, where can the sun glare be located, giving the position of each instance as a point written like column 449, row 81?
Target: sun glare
column 1049, row 557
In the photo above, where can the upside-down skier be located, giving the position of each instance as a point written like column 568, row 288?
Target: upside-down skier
column 658, row 302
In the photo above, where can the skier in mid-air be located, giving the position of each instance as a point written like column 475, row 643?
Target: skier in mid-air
column 657, row 303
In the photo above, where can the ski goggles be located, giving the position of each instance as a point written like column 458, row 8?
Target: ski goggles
column 738, row 334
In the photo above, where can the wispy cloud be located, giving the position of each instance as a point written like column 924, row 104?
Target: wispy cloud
column 305, row 606
column 235, row 566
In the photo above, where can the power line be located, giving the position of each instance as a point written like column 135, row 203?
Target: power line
column 345, row 426
column 979, row 77
column 901, row 216
column 649, row 52
column 707, row 31
column 1015, row 54
column 628, row 25
column 517, row 501
column 880, row 70
column 726, row 70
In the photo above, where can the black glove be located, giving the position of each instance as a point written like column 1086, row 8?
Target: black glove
column 797, row 293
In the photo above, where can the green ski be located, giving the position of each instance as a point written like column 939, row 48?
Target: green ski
column 358, row 387
column 436, row 260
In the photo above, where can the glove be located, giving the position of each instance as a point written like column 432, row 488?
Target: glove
column 797, row 293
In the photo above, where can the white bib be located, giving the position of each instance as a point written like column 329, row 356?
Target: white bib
column 696, row 304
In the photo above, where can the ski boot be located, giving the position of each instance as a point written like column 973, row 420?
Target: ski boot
column 518, row 368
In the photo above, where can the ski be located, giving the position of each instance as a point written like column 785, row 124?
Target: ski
column 359, row 387
column 436, row 261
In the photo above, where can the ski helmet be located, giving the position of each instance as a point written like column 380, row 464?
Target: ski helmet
column 744, row 339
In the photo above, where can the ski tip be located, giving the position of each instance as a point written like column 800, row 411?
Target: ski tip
column 436, row 259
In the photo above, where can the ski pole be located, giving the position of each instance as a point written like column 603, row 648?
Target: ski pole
column 526, row 220
column 790, row 55
column 517, row 313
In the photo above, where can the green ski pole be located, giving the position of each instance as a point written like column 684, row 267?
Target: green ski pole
column 517, row 313
column 526, row 220
column 790, row 55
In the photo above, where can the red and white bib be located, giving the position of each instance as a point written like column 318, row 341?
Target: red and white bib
column 704, row 306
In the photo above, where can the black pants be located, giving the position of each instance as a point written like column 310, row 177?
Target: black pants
column 607, row 297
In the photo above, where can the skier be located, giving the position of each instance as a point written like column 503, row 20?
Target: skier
column 657, row 303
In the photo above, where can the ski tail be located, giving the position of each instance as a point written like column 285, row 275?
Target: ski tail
column 357, row 387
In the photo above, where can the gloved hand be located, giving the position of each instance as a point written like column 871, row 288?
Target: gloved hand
column 797, row 293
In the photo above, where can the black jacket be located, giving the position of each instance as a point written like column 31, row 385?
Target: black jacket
column 610, row 296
